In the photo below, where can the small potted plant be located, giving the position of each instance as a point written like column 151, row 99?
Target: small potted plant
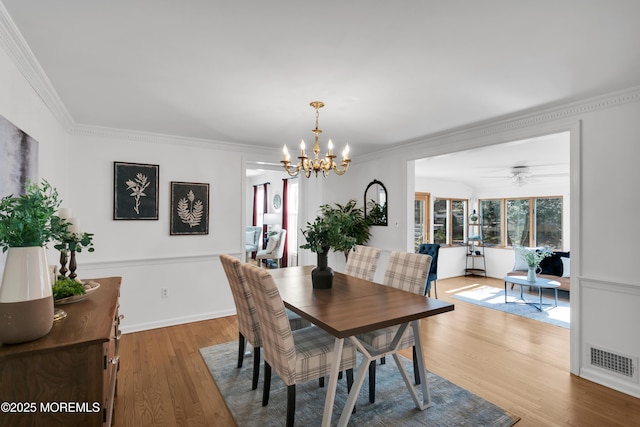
column 329, row 231
column 533, row 258
column 28, row 222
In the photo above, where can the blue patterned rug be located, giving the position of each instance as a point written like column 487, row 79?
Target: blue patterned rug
column 452, row 405
column 490, row 297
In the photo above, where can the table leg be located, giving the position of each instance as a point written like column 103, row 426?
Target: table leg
column 424, row 383
column 556, row 296
column 333, row 382
column 540, row 296
column 505, row 292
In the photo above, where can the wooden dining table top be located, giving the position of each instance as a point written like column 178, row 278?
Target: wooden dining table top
column 352, row 306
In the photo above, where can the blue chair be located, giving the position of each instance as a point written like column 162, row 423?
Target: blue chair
column 431, row 249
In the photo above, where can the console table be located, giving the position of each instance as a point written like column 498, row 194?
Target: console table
column 69, row 376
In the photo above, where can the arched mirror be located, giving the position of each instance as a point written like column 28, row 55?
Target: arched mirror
column 375, row 203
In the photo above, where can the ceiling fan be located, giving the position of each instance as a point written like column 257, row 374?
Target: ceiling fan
column 521, row 174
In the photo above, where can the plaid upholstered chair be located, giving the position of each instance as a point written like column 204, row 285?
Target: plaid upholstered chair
column 406, row 271
column 296, row 356
column 362, row 262
column 248, row 325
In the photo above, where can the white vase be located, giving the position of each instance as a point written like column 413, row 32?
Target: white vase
column 531, row 274
column 26, row 301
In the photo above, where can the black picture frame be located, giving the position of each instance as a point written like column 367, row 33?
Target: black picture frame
column 135, row 191
column 189, row 208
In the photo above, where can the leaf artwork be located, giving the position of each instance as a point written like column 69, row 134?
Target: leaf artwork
column 137, row 188
column 190, row 211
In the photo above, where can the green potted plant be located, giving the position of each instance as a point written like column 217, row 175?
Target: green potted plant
column 353, row 222
column 329, row 231
column 28, row 222
column 533, row 257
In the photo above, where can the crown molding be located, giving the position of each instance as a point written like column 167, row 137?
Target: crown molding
column 18, row 50
column 512, row 122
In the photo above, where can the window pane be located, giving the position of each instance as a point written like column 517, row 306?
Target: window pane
column 549, row 222
column 491, row 215
column 458, row 209
column 518, row 212
column 440, row 221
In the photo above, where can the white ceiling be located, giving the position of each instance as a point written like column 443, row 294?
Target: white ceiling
column 389, row 72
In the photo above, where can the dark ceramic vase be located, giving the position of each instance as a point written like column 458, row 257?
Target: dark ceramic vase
column 322, row 275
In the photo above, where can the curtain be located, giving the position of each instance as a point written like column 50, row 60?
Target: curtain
column 255, row 213
column 285, row 219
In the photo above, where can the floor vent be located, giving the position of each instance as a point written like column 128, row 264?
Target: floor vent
column 617, row 363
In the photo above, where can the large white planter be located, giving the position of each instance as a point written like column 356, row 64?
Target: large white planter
column 26, row 301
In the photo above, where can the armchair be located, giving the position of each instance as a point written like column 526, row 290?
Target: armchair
column 432, row 250
column 275, row 248
column 252, row 242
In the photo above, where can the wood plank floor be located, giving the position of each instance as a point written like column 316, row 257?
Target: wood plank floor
column 519, row 364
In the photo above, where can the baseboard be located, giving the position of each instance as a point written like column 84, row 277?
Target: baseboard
column 139, row 327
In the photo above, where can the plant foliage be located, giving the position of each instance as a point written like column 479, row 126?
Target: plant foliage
column 337, row 228
column 67, row 287
column 30, row 219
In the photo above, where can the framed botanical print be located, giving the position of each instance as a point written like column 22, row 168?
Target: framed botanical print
column 135, row 191
column 189, row 208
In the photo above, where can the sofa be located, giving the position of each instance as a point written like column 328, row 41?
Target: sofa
column 554, row 267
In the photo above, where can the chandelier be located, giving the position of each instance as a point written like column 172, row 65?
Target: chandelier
column 316, row 164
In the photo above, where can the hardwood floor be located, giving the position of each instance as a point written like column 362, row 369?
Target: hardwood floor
column 519, row 364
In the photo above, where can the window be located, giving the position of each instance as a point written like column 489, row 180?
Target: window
column 449, row 221
column 535, row 221
column 491, row 214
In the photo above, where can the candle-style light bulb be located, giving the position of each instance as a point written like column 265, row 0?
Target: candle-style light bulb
column 345, row 152
column 286, row 153
column 330, row 148
column 302, row 148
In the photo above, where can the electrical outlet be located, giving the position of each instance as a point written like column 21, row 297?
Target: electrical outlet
column 164, row 293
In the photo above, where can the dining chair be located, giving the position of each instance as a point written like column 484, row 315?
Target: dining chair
column 408, row 272
column 274, row 249
column 248, row 323
column 431, row 249
column 362, row 262
column 296, row 356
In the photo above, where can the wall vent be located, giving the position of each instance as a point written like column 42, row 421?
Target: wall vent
column 617, row 363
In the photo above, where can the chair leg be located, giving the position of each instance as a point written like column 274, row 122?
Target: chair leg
column 256, row 368
column 291, row 405
column 350, row 384
column 416, row 370
column 435, row 288
column 321, row 382
column 241, row 346
column 267, row 384
column 372, row 381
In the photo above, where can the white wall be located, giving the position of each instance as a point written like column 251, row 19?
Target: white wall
column 144, row 252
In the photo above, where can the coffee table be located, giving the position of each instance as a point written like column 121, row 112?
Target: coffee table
column 539, row 283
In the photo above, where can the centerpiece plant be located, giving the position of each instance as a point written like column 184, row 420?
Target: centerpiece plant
column 338, row 228
column 533, row 257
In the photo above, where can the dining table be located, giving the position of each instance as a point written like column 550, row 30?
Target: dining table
column 353, row 306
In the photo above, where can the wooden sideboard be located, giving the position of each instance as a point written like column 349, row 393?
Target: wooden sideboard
column 67, row 378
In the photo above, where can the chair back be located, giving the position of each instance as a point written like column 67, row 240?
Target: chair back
column 408, row 271
column 362, row 262
column 277, row 341
column 431, row 249
column 275, row 247
column 248, row 323
column 254, row 234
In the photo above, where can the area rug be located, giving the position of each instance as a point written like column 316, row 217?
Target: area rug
column 452, row 405
column 490, row 297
